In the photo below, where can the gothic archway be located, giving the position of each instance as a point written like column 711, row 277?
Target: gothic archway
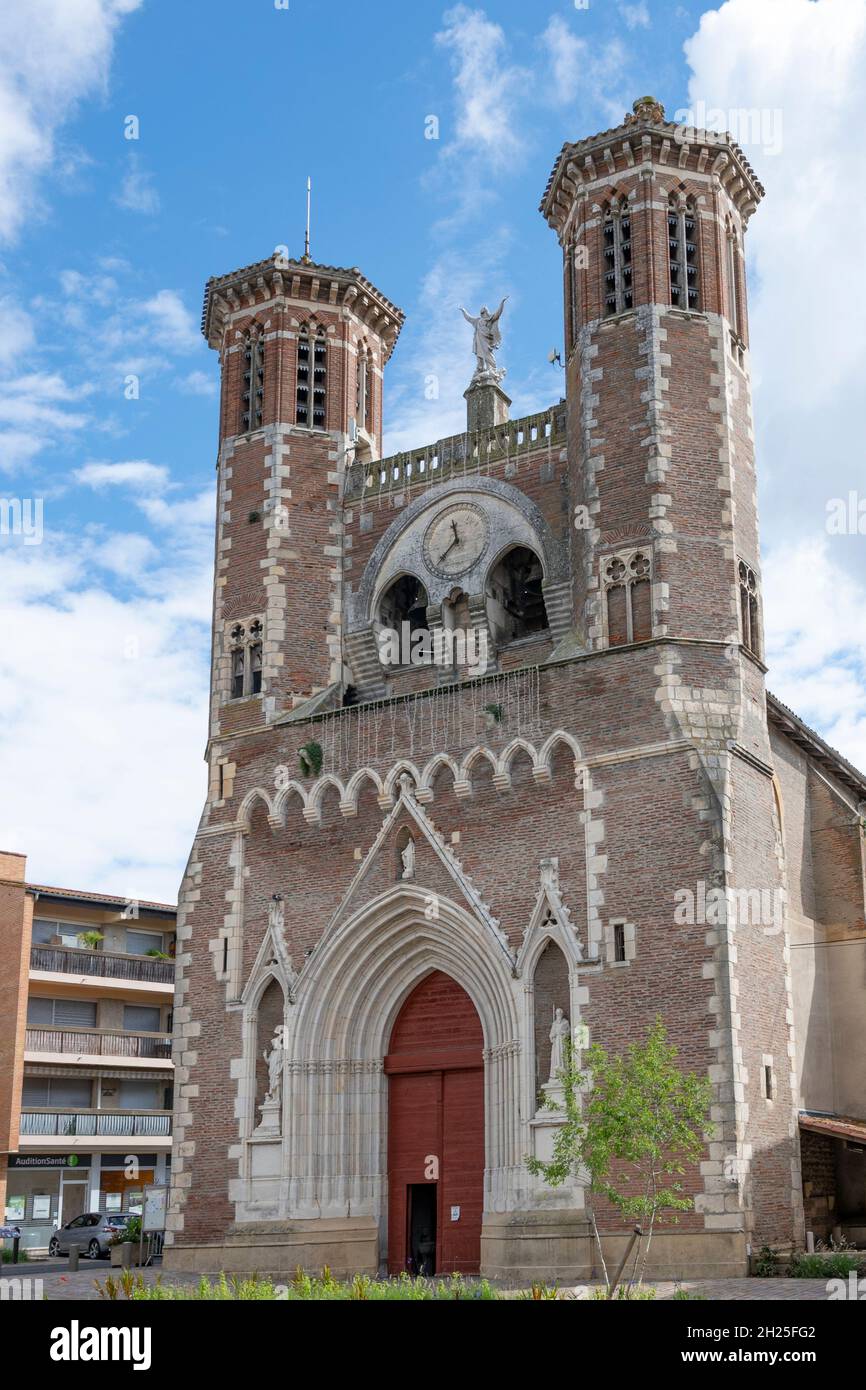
column 349, row 995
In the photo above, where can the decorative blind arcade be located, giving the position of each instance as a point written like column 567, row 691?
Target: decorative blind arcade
column 627, row 595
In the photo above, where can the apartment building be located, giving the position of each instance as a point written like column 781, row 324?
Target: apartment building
column 86, row 996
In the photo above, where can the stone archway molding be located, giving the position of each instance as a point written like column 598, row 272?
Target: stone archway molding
column 348, row 998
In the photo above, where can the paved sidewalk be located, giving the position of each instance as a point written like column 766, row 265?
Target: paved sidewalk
column 80, row 1286
column 746, row 1290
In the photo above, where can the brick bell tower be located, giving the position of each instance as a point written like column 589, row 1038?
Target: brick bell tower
column 651, row 218
column 302, row 352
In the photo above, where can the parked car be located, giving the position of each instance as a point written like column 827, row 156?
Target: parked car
column 92, row 1233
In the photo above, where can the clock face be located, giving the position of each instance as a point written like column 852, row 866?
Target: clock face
column 456, row 539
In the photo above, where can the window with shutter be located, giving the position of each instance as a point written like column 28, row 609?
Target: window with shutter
column 74, row 1013
column 140, row 1018
column 139, row 1095
column 61, row 1013
column 40, row 1012
column 34, row 1091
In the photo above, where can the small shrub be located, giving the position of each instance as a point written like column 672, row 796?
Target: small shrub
column 91, row 939
column 303, row 1288
column 767, row 1263
column 6, row 1256
column 540, row 1292
column 131, row 1232
column 310, row 757
column 835, row 1266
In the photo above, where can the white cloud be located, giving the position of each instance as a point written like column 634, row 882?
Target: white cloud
column 803, row 63
column 53, row 54
column 437, row 361
column 133, row 473
column 816, row 642
column 186, row 515
column 18, row 447
column 101, row 289
column 198, row 384
column 487, row 86
column 16, row 332
column 126, row 555
column 581, row 71
column 97, row 744
column 636, row 16
column 137, row 193
column 110, row 337
column 33, row 412
column 172, row 324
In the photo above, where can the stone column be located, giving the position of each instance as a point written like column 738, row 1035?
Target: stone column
column 486, row 404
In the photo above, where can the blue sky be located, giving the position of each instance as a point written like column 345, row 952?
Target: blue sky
column 106, row 242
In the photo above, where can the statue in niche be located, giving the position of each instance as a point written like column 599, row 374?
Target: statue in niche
column 559, row 1031
column 274, row 1057
column 486, row 338
column 407, row 858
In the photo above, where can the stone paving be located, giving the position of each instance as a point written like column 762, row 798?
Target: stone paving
column 80, row 1286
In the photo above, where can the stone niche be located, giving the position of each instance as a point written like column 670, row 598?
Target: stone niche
column 265, row 1144
column 550, row 1002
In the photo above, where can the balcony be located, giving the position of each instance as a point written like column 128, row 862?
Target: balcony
column 109, row 965
column 458, row 454
column 98, row 1042
column 89, row 1124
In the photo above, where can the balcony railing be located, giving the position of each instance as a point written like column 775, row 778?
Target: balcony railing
column 458, row 454
column 75, row 960
column 98, row 1042
column 96, row 1123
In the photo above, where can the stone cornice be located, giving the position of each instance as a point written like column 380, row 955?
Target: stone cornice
column 333, row 287
column 642, row 140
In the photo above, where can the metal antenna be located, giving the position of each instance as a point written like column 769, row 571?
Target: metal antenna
column 307, row 235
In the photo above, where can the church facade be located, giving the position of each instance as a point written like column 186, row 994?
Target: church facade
column 489, row 744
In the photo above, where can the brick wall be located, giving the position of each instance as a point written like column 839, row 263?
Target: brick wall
column 16, row 916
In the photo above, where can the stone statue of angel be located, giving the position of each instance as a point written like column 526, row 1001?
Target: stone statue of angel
column 486, row 338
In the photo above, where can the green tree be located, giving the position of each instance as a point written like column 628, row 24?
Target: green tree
column 631, row 1125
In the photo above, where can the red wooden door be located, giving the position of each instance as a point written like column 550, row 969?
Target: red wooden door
column 436, row 1122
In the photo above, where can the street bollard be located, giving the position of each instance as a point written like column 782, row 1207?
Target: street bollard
column 73, row 1258
column 16, row 1244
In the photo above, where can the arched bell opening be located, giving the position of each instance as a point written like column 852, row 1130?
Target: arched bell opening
column 515, row 599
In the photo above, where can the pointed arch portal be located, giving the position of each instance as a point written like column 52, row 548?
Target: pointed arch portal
column 435, row 1073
